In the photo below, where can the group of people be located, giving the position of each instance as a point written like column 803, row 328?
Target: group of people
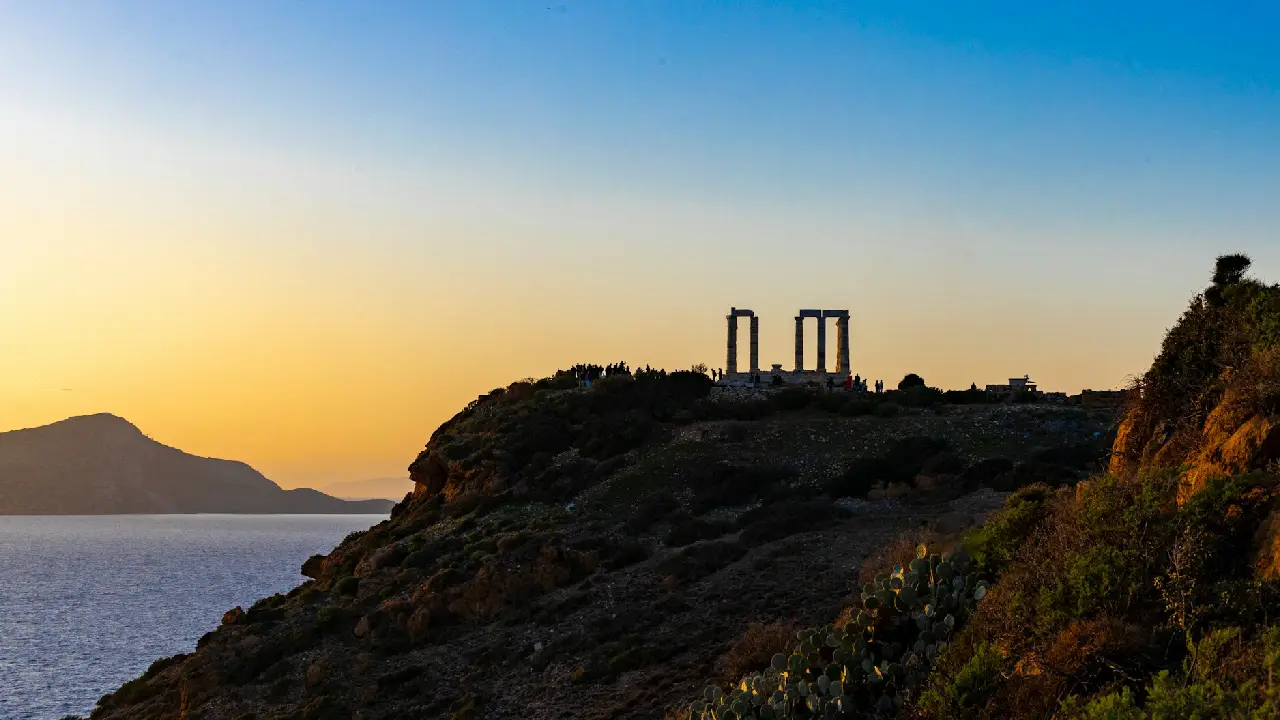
column 587, row 374
column 855, row 383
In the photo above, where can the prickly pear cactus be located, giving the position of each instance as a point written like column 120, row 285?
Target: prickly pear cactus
column 870, row 667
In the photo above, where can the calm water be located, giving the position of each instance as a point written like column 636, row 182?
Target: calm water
column 87, row 603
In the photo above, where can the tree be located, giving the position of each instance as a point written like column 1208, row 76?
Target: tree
column 910, row 381
column 700, row 368
column 1230, row 269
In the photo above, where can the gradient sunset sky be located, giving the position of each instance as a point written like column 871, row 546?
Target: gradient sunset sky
column 303, row 234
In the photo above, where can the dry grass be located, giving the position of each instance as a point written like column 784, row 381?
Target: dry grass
column 752, row 652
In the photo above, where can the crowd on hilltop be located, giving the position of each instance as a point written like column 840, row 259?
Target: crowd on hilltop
column 590, row 373
column 587, row 373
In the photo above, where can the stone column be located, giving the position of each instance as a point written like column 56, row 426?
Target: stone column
column 842, row 345
column 755, row 344
column 731, row 358
column 822, row 344
column 799, row 343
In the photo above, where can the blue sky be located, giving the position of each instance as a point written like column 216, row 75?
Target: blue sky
column 991, row 188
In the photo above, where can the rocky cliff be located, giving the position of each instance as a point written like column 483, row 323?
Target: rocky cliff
column 1210, row 404
column 1211, row 398
column 605, row 552
column 102, row 464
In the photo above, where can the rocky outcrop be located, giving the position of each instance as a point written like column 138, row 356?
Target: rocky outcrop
column 583, row 554
column 1234, row 439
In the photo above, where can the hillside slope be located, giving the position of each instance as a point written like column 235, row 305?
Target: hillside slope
column 601, row 553
column 1150, row 593
column 102, row 464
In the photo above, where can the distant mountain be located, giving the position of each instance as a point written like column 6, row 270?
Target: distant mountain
column 103, row 465
column 389, row 488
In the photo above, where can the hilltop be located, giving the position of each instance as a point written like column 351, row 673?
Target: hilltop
column 606, row 552
column 103, row 464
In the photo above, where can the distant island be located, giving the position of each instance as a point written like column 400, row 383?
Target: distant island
column 104, row 465
column 384, row 488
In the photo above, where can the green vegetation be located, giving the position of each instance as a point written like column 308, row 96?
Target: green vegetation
column 909, row 381
column 1107, row 592
column 1227, row 335
column 871, row 664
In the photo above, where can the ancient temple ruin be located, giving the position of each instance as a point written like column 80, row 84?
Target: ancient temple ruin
column 731, row 362
column 842, row 368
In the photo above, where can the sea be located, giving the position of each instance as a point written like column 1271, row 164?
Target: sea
column 88, row 602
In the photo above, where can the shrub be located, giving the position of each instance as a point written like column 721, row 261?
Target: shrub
column 992, row 546
column 911, row 380
column 870, row 664
column 902, row 461
column 698, row 561
column 920, row 396
column 757, row 646
column 1117, row 570
column 973, row 685
column 833, row 402
column 348, row 585
column 983, row 472
column 857, row 408
column 887, row 409
column 783, row 519
column 792, row 398
column 724, row 484
column 965, row 397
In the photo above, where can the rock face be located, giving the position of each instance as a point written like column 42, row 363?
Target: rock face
column 102, row 464
column 1231, row 441
column 1210, row 403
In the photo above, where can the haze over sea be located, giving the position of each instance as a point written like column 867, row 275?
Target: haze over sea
column 87, row 603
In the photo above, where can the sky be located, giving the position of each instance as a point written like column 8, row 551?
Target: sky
column 304, row 234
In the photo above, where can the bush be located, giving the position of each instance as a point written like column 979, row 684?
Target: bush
column 965, row 397
column 911, row 380
column 867, row 665
column 857, row 408
column 348, row 585
column 791, row 399
column 724, row 484
column 833, row 402
column 887, row 409
column 992, row 546
column 920, row 396
column 973, row 685
column 902, row 461
column 1117, row 570
column 983, row 472
column 784, row 519
column 757, row 646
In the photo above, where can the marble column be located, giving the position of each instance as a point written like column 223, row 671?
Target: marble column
column 822, row 344
column 755, row 344
column 799, row 343
column 842, row 345
column 731, row 357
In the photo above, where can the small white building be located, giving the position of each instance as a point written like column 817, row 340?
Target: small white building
column 1022, row 384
